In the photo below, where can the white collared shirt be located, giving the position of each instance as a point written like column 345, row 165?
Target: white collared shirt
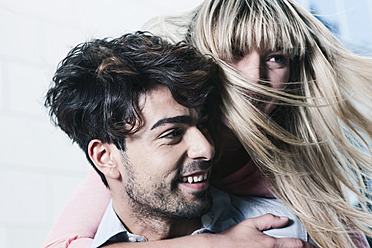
column 226, row 211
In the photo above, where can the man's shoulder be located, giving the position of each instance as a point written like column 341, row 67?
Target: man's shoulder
column 246, row 207
column 228, row 210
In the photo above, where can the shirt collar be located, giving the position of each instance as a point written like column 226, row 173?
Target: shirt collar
column 111, row 229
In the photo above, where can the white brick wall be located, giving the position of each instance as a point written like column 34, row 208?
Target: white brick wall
column 39, row 167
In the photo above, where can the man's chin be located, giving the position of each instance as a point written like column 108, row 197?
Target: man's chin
column 199, row 205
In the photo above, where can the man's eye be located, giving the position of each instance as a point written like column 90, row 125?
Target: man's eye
column 174, row 133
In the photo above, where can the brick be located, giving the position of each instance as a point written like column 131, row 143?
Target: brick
column 29, row 236
column 20, row 36
column 38, row 144
column 24, row 197
column 3, row 237
column 2, row 81
column 27, row 89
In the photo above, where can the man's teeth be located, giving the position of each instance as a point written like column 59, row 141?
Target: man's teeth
column 195, row 179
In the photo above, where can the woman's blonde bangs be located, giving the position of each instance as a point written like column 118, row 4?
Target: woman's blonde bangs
column 255, row 25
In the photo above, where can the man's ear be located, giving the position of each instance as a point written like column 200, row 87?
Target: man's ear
column 105, row 158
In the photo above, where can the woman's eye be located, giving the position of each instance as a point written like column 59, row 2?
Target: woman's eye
column 278, row 61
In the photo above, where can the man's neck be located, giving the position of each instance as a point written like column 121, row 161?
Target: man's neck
column 154, row 228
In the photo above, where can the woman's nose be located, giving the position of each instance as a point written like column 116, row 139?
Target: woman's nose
column 251, row 66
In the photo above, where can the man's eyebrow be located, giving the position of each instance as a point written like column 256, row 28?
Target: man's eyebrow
column 186, row 119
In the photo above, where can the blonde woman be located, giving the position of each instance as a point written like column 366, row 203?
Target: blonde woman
column 297, row 112
column 305, row 135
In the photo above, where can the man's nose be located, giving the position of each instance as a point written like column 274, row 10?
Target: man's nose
column 199, row 146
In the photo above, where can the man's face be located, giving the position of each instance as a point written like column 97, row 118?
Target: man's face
column 166, row 163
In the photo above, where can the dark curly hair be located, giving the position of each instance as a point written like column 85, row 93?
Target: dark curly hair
column 97, row 86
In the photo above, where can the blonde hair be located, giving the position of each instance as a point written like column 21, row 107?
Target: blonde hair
column 315, row 148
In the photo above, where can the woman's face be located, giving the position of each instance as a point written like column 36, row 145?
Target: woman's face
column 264, row 65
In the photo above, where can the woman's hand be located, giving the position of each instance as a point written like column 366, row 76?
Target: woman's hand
column 247, row 233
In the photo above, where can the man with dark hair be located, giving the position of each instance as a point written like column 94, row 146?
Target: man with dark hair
column 99, row 86
column 141, row 109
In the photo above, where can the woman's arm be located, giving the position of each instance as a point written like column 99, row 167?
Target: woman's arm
column 79, row 220
column 247, row 233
